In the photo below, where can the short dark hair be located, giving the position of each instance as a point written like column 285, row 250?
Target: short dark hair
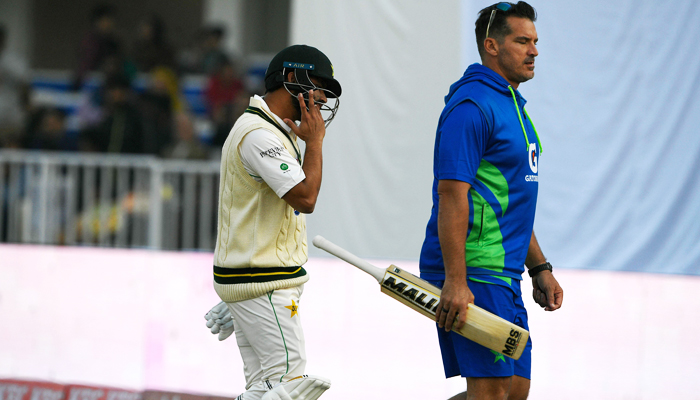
column 499, row 27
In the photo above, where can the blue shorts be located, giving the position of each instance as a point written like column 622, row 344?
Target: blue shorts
column 461, row 356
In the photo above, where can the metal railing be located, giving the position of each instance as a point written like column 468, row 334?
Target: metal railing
column 107, row 200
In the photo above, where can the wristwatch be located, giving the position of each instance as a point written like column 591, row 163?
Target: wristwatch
column 536, row 270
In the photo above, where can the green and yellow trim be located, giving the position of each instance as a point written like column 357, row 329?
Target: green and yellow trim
column 229, row 276
column 517, row 110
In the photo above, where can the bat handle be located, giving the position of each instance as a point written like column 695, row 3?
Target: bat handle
column 332, row 248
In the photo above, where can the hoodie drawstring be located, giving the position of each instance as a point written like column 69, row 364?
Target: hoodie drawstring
column 517, row 110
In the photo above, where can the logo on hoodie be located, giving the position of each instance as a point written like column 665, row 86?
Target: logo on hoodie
column 532, row 157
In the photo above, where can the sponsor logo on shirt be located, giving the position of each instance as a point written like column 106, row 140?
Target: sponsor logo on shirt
column 532, row 161
column 273, row 152
column 284, row 167
column 532, row 157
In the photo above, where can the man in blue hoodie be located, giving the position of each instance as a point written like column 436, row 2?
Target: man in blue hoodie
column 480, row 234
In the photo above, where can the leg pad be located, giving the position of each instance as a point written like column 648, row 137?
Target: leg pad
column 305, row 387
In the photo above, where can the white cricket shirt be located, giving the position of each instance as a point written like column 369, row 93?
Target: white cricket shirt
column 266, row 159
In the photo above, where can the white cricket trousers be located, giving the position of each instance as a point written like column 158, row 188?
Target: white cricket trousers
column 270, row 339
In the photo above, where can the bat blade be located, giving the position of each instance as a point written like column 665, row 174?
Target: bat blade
column 482, row 327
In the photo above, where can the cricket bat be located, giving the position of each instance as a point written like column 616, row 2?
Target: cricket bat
column 482, row 327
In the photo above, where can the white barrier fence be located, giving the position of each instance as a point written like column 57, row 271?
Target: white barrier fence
column 133, row 201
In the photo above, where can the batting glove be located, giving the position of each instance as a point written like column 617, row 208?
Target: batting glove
column 220, row 320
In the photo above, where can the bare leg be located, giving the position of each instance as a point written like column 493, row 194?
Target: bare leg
column 510, row 388
column 460, row 396
column 519, row 388
column 488, row 388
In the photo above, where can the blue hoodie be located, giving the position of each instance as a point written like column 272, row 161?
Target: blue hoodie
column 484, row 139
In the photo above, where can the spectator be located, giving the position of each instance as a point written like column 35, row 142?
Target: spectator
column 46, row 130
column 14, row 94
column 100, row 44
column 226, row 100
column 158, row 104
column 188, row 57
column 165, row 80
column 206, row 56
column 224, row 88
column 186, row 145
column 91, row 107
column 121, row 128
column 213, row 55
column 151, row 48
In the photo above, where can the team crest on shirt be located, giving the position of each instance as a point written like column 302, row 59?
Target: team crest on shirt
column 294, row 308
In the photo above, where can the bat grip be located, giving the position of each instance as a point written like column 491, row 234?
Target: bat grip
column 332, row 248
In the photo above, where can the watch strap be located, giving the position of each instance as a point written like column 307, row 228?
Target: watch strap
column 536, row 270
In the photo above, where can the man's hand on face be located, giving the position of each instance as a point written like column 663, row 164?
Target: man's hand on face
column 312, row 128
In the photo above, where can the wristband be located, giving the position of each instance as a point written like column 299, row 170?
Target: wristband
column 536, row 270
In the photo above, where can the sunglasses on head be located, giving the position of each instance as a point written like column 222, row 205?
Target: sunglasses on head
column 499, row 6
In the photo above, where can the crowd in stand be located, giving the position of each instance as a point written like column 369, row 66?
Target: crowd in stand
column 117, row 117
